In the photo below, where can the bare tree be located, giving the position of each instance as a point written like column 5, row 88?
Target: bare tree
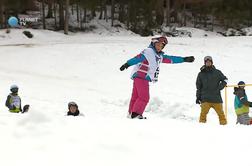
column 112, row 12
column 77, row 11
column 55, row 13
column 168, row 13
column 66, row 18
column 61, row 14
column 43, row 14
column 1, row 14
column 50, row 9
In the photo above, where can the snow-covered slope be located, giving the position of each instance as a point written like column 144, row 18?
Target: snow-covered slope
column 52, row 69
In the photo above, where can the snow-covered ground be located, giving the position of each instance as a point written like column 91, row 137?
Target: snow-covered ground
column 52, row 69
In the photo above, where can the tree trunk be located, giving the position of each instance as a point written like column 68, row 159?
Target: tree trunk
column 1, row 15
column 159, row 11
column 112, row 12
column 128, row 15
column 121, row 12
column 61, row 15
column 72, row 9
column 85, row 15
column 101, row 9
column 66, row 18
column 43, row 14
column 106, row 13
column 212, row 27
column 55, row 13
column 81, row 20
column 50, row 9
column 168, row 13
column 184, row 15
column 78, row 13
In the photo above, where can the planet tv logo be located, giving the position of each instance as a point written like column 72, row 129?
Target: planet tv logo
column 23, row 21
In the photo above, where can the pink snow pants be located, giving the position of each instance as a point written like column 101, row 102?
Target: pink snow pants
column 140, row 96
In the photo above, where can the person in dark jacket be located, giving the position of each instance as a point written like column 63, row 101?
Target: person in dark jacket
column 73, row 109
column 242, row 104
column 13, row 101
column 210, row 82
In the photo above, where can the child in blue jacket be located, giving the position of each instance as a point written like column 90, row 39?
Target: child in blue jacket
column 242, row 104
column 146, row 69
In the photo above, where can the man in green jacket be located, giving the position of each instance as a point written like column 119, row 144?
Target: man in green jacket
column 210, row 82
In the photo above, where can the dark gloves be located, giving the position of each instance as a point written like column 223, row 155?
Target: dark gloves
column 250, row 104
column 198, row 100
column 189, row 59
column 124, row 66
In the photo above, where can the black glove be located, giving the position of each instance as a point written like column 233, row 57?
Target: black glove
column 124, row 66
column 198, row 101
column 189, row 59
column 250, row 104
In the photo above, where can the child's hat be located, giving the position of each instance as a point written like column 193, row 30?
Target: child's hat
column 241, row 83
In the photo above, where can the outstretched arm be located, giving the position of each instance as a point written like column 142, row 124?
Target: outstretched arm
column 133, row 61
column 177, row 59
column 172, row 59
column 137, row 59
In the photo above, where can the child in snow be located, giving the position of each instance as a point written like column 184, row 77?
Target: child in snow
column 242, row 105
column 73, row 109
column 13, row 101
column 146, row 69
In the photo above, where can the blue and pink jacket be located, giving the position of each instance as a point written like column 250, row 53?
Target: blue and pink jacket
column 148, row 63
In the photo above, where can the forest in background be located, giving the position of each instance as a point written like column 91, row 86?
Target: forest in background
column 140, row 16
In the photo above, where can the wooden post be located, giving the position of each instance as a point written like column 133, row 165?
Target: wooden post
column 226, row 102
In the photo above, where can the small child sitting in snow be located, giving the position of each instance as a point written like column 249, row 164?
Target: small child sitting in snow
column 13, row 101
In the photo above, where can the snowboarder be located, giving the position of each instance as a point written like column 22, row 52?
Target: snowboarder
column 209, row 83
column 13, row 101
column 242, row 104
column 73, row 109
column 146, row 69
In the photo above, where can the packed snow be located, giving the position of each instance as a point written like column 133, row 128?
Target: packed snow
column 53, row 69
